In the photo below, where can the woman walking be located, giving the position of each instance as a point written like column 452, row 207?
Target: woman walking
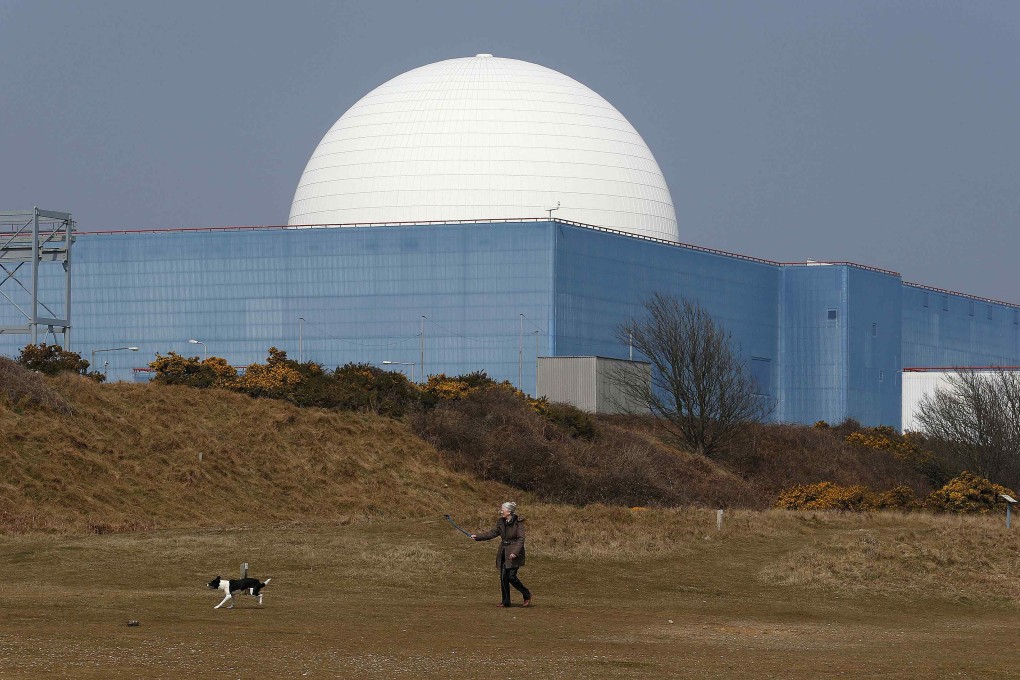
column 510, row 556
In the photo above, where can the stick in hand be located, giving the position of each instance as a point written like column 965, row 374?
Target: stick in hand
column 450, row 520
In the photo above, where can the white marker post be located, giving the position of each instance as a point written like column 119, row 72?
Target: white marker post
column 718, row 520
column 244, row 570
column 1009, row 505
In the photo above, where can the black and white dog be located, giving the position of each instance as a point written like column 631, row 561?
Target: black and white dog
column 229, row 587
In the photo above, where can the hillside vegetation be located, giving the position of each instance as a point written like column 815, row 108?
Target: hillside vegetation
column 118, row 503
column 76, row 455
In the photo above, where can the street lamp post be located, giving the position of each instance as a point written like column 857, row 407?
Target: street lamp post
column 402, row 363
column 205, row 350
column 109, row 349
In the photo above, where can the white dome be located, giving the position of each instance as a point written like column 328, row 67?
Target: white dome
column 484, row 138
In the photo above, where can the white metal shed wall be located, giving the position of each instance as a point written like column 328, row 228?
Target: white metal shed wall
column 917, row 384
column 587, row 383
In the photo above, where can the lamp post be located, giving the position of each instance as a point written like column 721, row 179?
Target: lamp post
column 205, row 350
column 402, row 363
column 110, row 349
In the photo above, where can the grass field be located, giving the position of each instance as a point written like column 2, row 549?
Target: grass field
column 618, row 594
column 122, row 501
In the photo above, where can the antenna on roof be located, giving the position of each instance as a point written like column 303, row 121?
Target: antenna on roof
column 550, row 210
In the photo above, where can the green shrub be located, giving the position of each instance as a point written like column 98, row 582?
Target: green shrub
column 363, row 387
column 53, row 359
column 577, row 423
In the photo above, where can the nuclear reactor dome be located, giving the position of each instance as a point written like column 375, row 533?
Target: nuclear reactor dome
column 484, row 138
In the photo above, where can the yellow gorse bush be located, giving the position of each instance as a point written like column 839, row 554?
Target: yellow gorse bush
column 827, row 496
column 267, row 378
column 967, row 493
column 906, row 447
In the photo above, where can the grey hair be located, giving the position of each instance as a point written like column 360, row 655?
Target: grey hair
column 510, row 506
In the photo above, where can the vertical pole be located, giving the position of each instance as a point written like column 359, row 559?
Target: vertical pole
column 300, row 340
column 423, row 373
column 630, row 343
column 244, row 570
column 718, row 520
column 537, row 364
column 520, row 357
column 67, row 284
column 35, row 276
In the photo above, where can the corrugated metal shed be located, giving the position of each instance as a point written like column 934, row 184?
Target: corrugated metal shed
column 588, row 384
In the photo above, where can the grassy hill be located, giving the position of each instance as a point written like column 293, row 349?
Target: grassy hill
column 137, row 456
column 344, row 511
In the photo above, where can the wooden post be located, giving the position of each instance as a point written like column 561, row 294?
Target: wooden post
column 244, row 570
column 718, row 520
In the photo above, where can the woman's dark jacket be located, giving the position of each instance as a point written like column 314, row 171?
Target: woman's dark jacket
column 511, row 534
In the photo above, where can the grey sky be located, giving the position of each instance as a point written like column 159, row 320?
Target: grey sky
column 882, row 133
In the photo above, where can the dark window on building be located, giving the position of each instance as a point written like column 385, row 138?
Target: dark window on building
column 874, row 330
column 945, row 303
column 925, row 299
column 989, row 312
column 881, row 376
column 832, row 315
column 970, row 308
column 761, row 374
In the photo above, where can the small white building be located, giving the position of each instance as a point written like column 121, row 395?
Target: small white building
column 588, row 383
column 921, row 382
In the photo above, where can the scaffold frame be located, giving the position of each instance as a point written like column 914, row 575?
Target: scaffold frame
column 35, row 237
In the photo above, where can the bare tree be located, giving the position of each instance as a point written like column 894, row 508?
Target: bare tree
column 699, row 389
column 974, row 423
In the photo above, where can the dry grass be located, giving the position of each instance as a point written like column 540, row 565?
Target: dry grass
column 950, row 557
column 21, row 388
column 137, row 457
column 344, row 511
column 653, row 593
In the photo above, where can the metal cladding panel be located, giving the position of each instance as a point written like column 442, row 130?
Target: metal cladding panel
column 874, row 343
column 946, row 329
column 588, row 383
column 917, row 384
column 814, row 347
column 602, row 280
column 361, row 290
column 610, row 397
column 569, row 380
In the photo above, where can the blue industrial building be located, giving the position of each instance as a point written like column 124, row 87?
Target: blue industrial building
column 386, row 260
column 827, row 341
